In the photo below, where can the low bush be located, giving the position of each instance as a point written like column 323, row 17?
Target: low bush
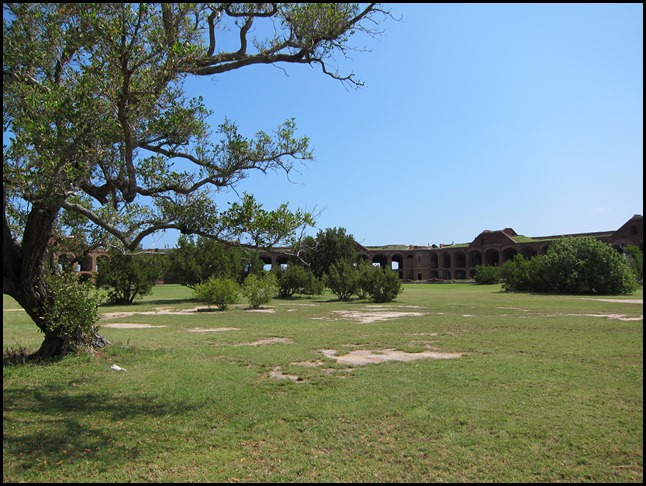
column 218, row 291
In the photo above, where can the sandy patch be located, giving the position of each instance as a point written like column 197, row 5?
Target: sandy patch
column 625, row 301
column 277, row 374
column 13, row 310
column 158, row 312
column 615, row 317
column 126, row 325
column 267, row 341
column 216, row 329
column 368, row 317
column 362, row 357
column 268, row 310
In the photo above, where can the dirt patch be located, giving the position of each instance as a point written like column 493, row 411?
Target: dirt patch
column 277, row 374
column 267, row 341
column 625, row 301
column 157, row 312
column 126, row 325
column 375, row 316
column 363, row 357
column 613, row 317
column 216, row 329
column 267, row 310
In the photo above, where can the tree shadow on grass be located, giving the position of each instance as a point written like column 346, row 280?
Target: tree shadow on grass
column 50, row 425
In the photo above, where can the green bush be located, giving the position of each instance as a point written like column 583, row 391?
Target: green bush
column 129, row 276
column 72, row 307
column 296, row 279
column 523, row 275
column 635, row 259
column 218, row 291
column 585, row 265
column 487, row 274
column 381, row 285
column 260, row 290
column 342, row 278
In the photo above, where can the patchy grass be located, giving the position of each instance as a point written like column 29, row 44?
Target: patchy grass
column 546, row 389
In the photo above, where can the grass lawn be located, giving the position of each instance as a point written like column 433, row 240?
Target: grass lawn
column 537, row 389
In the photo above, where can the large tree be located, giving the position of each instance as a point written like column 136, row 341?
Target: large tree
column 104, row 145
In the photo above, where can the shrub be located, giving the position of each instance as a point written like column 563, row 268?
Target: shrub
column 218, row 291
column 260, row 290
column 635, row 258
column 379, row 284
column 72, row 307
column 342, row 279
column 523, row 275
column 296, row 279
column 487, row 274
column 129, row 276
column 585, row 265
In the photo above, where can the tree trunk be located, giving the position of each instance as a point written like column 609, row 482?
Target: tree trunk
column 25, row 265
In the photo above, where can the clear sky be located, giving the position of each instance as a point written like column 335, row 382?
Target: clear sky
column 474, row 117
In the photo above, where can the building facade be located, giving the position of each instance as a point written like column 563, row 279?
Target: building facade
column 459, row 261
column 438, row 263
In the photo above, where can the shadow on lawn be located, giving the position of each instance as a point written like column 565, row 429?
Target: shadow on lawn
column 57, row 426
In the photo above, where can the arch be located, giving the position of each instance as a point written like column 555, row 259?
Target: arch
column 460, row 274
column 475, row 257
column 446, row 274
column 492, row 257
column 446, row 260
column 399, row 261
column 508, row 254
column 460, row 260
column 529, row 252
column 434, row 274
column 544, row 249
column 268, row 262
column 434, row 261
column 381, row 259
column 282, row 261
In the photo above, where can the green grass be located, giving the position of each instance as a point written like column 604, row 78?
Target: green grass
column 547, row 390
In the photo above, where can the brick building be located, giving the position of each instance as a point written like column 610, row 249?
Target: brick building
column 443, row 262
column 459, row 261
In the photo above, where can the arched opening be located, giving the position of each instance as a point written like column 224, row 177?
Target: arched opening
column 381, row 260
column 282, row 261
column 268, row 263
column 492, row 257
column 397, row 263
column 446, row 260
column 476, row 258
column 460, row 260
column 434, row 260
column 508, row 254
column 529, row 252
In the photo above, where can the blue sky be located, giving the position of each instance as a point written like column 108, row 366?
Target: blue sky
column 473, row 117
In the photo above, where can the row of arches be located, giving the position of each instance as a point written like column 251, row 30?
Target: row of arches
column 429, row 264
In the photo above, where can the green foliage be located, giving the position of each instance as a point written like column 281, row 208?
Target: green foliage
column 296, row 279
column 487, row 274
column 381, row 285
column 103, row 144
column 327, row 248
column 196, row 259
column 342, row 279
column 635, row 258
column 523, row 275
column 72, row 306
column 585, row 265
column 129, row 276
column 260, row 290
column 219, row 291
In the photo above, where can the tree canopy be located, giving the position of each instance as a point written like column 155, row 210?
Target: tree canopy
column 104, row 146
